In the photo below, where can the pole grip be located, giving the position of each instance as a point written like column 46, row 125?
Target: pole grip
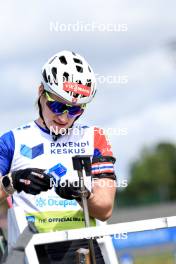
column 81, row 162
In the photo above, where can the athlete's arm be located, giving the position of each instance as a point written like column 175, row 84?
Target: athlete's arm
column 101, row 201
column 7, row 145
column 3, row 195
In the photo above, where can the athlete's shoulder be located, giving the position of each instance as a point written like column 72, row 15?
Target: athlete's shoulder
column 7, row 138
column 7, row 147
column 102, row 145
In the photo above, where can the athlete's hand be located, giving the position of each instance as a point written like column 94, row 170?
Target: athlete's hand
column 70, row 191
column 31, row 180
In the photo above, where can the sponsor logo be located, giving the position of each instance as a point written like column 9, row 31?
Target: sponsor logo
column 69, row 147
column 30, row 218
column 77, row 88
column 65, row 219
column 33, row 152
column 24, row 127
column 41, row 202
column 27, row 126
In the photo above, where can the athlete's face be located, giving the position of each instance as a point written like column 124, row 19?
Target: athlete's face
column 53, row 121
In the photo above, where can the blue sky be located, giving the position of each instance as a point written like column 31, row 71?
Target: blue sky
column 145, row 106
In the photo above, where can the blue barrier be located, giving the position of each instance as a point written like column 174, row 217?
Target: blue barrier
column 146, row 238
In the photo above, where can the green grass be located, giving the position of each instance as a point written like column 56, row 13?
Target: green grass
column 165, row 258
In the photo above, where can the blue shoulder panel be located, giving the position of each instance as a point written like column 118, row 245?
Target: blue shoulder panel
column 7, row 147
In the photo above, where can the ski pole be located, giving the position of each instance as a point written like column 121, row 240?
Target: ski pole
column 81, row 162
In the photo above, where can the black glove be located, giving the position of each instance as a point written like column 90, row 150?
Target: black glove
column 31, row 180
column 71, row 191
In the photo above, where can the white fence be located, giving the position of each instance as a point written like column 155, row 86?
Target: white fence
column 102, row 232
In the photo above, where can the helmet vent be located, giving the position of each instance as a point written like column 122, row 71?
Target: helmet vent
column 73, row 53
column 52, row 60
column 78, row 81
column 63, row 60
column 49, row 79
column 89, row 83
column 54, row 72
column 77, row 61
column 89, row 68
column 79, row 68
column 45, row 76
column 75, row 95
column 65, row 77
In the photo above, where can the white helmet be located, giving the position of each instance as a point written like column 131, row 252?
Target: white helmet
column 70, row 77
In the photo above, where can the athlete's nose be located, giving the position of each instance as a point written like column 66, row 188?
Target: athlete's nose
column 63, row 119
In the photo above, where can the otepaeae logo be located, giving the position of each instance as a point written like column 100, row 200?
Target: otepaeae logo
column 40, row 202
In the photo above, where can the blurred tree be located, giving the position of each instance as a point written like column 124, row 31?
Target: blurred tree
column 153, row 177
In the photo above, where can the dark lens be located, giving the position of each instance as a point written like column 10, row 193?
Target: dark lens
column 56, row 107
column 74, row 110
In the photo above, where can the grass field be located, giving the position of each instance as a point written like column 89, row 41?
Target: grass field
column 165, row 258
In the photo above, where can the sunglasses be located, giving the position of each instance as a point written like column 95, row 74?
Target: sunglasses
column 60, row 108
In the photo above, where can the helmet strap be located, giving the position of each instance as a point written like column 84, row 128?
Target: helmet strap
column 54, row 136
